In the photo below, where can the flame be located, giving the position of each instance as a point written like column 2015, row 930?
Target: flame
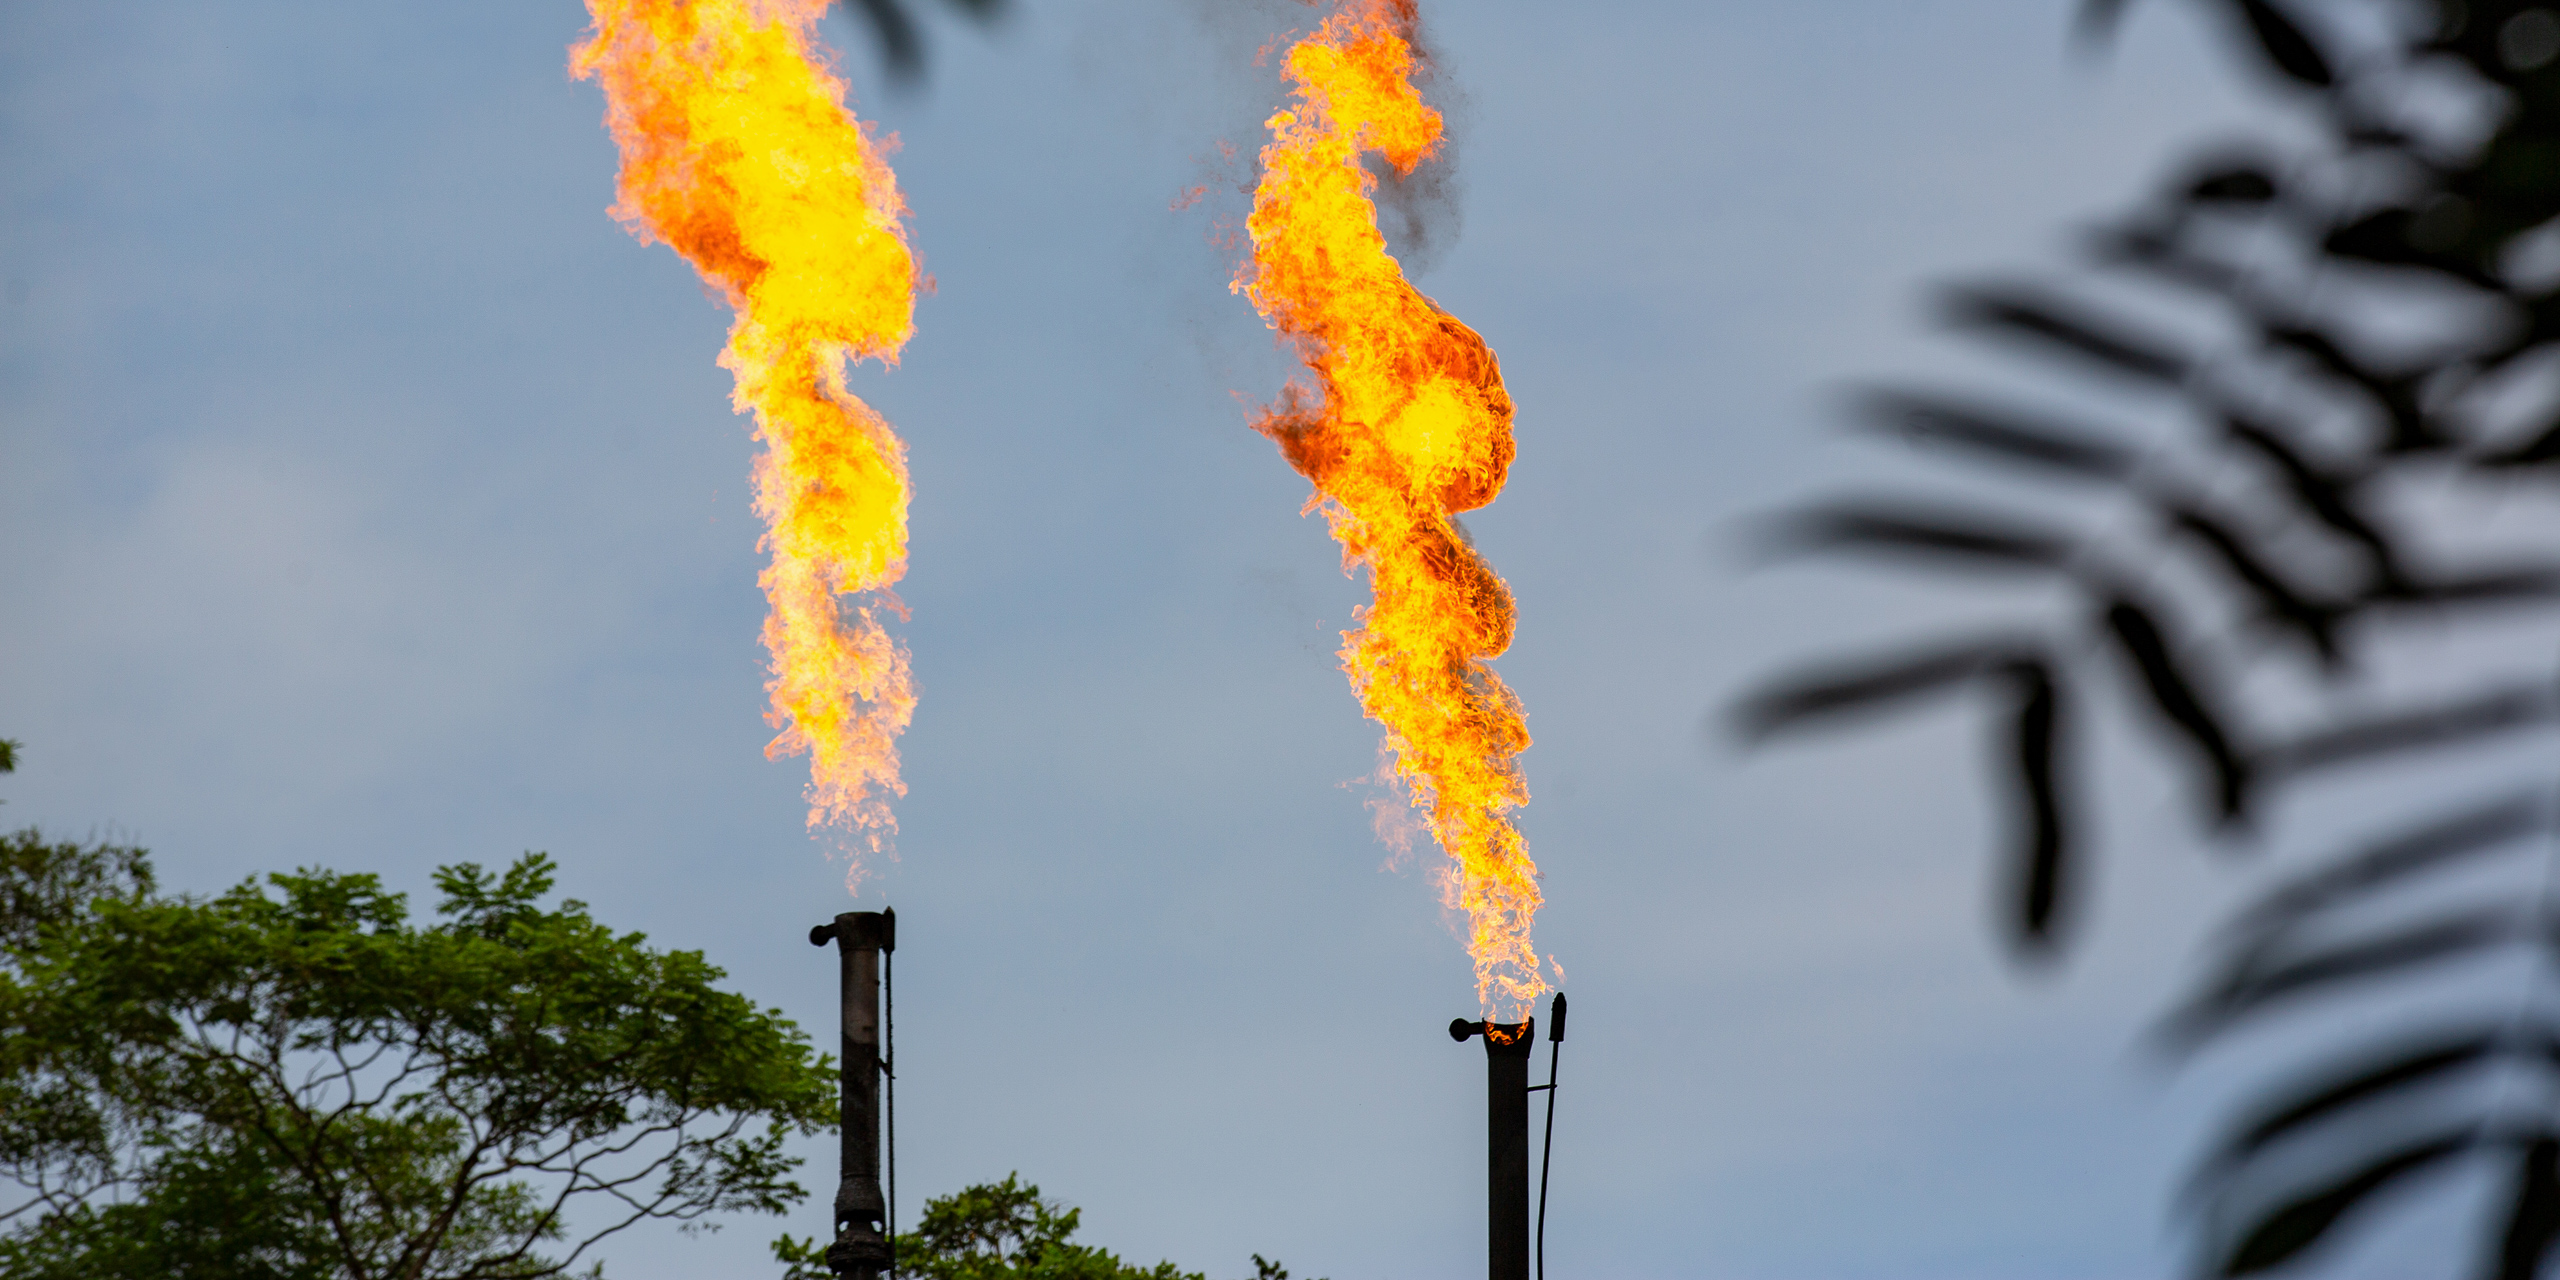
column 737, row 151
column 1408, row 424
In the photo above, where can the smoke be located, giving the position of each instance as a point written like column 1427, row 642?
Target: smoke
column 1423, row 212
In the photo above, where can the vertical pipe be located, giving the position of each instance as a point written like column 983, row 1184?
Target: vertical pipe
column 1506, row 1055
column 860, row 1251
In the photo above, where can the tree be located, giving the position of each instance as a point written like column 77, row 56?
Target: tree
column 294, row 1080
column 1000, row 1231
column 2295, row 590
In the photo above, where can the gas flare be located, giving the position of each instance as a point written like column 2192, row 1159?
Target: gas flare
column 1408, row 424
column 738, row 152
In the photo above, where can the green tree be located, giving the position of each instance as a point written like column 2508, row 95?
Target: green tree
column 295, row 1080
column 1000, row 1231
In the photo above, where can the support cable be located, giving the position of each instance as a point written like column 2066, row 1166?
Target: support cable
column 889, row 1067
column 1555, row 1049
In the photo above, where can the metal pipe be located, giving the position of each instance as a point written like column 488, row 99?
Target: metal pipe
column 1506, row 1056
column 861, row 1250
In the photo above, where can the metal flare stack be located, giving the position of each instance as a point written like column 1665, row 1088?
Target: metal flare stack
column 1506, row 1061
column 861, row 1248
column 1507, row 1047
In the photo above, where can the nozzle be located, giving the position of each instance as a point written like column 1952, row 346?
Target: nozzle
column 885, row 929
column 1555, row 1010
column 1508, row 1038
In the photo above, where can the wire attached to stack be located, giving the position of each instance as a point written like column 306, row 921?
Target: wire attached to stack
column 889, row 1068
column 1555, row 1049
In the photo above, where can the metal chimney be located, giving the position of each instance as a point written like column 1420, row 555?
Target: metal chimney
column 861, row 1250
column 1506, row 1057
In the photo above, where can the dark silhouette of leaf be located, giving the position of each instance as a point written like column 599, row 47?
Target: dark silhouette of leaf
column 1960, row 536
column 901, row 44
column 2000, row 434
column 2097, row 20
column 2375, row 135
column 2486, row 829
column 2492, row 713
column 2544, row 445
column 2286, row 45
column 2328, row 498
column 2533, row 1219
column 2381, row 238
column 2040, row 876
column 2299, row 1105
column 2541, row 450
column 2243, row 182
column 2027, row 314
column 2494, row 587
column 2298, row 1224
column 2315, row 623
column 1862, row 687
column 2397, row 397
column 2157, row 251
column 2174, row 695
column 2250, row 986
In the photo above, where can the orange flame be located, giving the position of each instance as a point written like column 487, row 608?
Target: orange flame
column 738, row 152
column 1408, row 425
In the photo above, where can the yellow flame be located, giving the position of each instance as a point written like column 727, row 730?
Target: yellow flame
column 1408, row 424
column 738, row 152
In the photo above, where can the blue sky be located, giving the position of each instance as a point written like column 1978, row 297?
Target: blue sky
column 368, row 498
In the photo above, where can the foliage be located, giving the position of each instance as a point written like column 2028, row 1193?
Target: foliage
column 294, row 1080
column 2364, row 370
column 1000, row 1231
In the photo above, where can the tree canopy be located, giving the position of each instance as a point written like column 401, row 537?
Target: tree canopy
column 1001, row 1231
column 294, row 1079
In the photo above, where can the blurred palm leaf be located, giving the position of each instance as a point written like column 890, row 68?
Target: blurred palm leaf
column 900, row 41
column 2274, row 560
